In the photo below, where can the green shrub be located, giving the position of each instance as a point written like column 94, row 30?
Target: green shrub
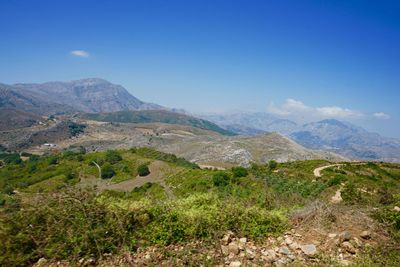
column 221, row 179
column 351, row 194
column 337, row 180
column 272, row 164
column 52, row 160
column 143, row 170
column 107, row 171
column 113, row 156
column 11, row 158
column 72, row 226
column 239, row 172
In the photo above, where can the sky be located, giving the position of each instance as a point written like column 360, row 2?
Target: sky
column 306, row 59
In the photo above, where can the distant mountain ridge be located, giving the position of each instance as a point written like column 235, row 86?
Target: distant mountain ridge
column 331, row 135
column 86, row 95
column 154, row 116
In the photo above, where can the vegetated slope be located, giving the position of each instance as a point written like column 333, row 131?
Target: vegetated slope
column 12, row 97
column 332, row 135
column 151, row 116
column 194, row 144
column 11, row 119
column 86, row 95
column 264, row 215
column 19, row 139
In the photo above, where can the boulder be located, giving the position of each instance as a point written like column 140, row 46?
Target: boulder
column 349, row 247
column 309, row 249
column 344, row 236
column 233, row 248
column 284, row 250
column 365, row 235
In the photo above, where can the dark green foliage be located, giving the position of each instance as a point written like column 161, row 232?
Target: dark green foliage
column 143, row 170
column 221, row 179
column 337, row 180
column 154, row 154
column 52, row 160
column 26, row 154
column 272, row 164
column 10, row 158
column 107, row 171
column 2, row 148
column 239, row 172
column 75, row 128
column 113, row 156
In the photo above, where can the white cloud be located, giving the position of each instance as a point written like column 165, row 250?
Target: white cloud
column 338, row 112
column 296, row 108
column 80, row 53
column 381, row 115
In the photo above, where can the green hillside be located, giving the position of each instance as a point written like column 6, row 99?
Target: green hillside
column 175, row 205
column 151, row 116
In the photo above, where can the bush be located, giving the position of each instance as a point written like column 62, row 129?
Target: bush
column 11, row 158
column 113, row 156
column 107, row 171
column 52, row 160
column 239, row 172
column 143, row 170
column 71, row 225
column 272, row 164
column 221, row 179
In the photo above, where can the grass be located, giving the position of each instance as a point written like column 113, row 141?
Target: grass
column 253, row 202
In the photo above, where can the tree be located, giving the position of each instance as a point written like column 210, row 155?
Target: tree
column 272, row 164
column 221, row 179
column 143, row 170
column 113, row 156
column 107, row 171
column 239, row 172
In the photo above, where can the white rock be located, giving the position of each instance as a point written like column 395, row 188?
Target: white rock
column 235, row 264
column 309, row 249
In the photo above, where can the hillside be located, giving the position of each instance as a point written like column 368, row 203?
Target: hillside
column 331, row 135
column 11, row 119
column 153, row 116
column 269, row 214
column 194, row 144
column 86, row 95
column 11, row 97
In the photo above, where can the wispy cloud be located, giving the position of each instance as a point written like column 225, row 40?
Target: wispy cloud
column 381, row 115
column 296, row 108
column 80, row 53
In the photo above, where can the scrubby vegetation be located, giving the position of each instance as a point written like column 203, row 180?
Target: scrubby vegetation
column 149, row 116
column 43, row 194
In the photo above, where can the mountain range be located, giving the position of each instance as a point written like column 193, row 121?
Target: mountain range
column 332, row 135
column 86, row 95
column 98, row 99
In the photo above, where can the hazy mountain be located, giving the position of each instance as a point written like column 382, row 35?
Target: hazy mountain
column 331, row 135
column 348, row 140
column 11, row 97
column 86, row 95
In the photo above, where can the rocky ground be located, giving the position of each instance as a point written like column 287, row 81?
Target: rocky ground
column 321, row 235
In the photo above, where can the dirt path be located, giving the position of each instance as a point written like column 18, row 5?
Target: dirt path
column 317, row 171
column 156, row 175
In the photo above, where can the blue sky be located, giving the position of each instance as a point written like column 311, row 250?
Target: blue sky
column 314, row 58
